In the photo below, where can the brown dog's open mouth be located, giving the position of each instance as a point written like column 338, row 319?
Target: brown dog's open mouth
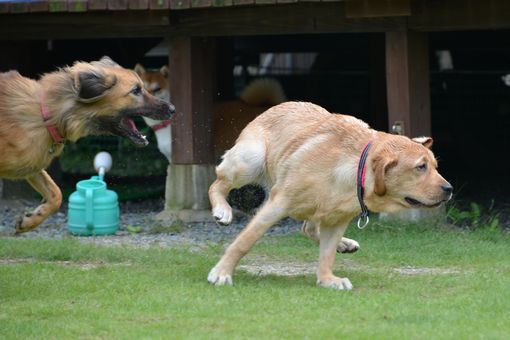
column 127, row 128
column 415, row 203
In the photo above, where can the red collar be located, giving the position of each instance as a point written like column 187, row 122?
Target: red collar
column 52, row 128
column 162, row 125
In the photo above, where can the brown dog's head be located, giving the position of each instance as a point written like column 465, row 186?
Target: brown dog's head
column 405, row 174
column 105, row 98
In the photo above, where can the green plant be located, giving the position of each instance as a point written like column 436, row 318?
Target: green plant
column 474, row 217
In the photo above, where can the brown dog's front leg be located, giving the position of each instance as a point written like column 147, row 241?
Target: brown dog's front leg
column 52, row 199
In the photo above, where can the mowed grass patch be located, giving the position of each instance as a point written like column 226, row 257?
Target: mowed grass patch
column 65, row 289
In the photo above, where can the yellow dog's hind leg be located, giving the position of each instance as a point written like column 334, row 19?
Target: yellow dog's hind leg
column 346, row 245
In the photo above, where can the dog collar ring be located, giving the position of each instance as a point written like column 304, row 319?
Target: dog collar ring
column 363, row 221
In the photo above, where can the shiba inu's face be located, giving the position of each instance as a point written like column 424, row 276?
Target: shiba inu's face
column 155, row 82
column 116, row 95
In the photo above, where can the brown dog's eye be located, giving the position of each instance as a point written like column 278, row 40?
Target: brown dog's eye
column 422, row 167
column 137, row 90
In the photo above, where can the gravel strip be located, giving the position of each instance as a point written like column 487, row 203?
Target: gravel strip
column 140, row 214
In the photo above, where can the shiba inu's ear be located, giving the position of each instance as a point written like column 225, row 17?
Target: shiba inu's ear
column 91, row 86
column 164, row 71
column 139, row 69
column 380, row 166
column 425, row 141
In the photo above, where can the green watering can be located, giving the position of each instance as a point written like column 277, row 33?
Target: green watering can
column 93, row 209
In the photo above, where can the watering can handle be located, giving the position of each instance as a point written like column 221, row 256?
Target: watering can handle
column 89, row 211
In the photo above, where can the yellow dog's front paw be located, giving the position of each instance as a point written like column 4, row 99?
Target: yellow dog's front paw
column 223, row 214
column 335, row 283
column 219, row 277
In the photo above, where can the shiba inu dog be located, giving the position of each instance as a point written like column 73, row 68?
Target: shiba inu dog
column 157, row 84
column 38, row 116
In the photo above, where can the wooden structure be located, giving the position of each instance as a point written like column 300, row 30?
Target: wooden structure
column 192, row 27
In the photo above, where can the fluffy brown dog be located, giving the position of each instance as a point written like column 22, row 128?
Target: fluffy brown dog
column 308, row 158
column 37, row 117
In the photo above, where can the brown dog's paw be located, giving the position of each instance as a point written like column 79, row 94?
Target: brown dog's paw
column 347, row 245
column 23, row 224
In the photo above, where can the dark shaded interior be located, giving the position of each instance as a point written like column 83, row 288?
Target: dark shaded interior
column 470, row 103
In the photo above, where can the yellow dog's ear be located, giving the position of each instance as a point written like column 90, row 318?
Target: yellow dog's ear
column 92, row 85
column 380, row 166
column 425, row 141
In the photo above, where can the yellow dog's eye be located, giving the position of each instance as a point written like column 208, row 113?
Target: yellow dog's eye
column 422, row 167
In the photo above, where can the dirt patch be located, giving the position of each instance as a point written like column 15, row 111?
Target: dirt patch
column 263, row 265
column 425, row 271
column 279, row 268
column 81, row 265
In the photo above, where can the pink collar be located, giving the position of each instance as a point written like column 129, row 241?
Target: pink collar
column 162, row 125
column 52, row 128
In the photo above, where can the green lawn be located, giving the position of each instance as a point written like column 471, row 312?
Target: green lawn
column 65, row 289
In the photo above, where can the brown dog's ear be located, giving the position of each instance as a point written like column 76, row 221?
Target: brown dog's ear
column 107, row 62
column 425, row 141
column 91, row 86
column 139, row 69
column 380, row 167
column 164, row 71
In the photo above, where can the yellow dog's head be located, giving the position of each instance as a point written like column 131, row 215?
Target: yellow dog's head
column 406, row 175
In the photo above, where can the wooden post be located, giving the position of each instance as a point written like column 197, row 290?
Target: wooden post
column 192, row 66
column 407, row 83
column 408, row 90
column 192, row 86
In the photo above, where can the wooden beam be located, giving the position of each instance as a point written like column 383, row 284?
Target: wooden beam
column 100, row 24
column 407, row 82
column 293, row 18
column 456, row 15
column 321, row 17
column 192, row 65
column 377, row 8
